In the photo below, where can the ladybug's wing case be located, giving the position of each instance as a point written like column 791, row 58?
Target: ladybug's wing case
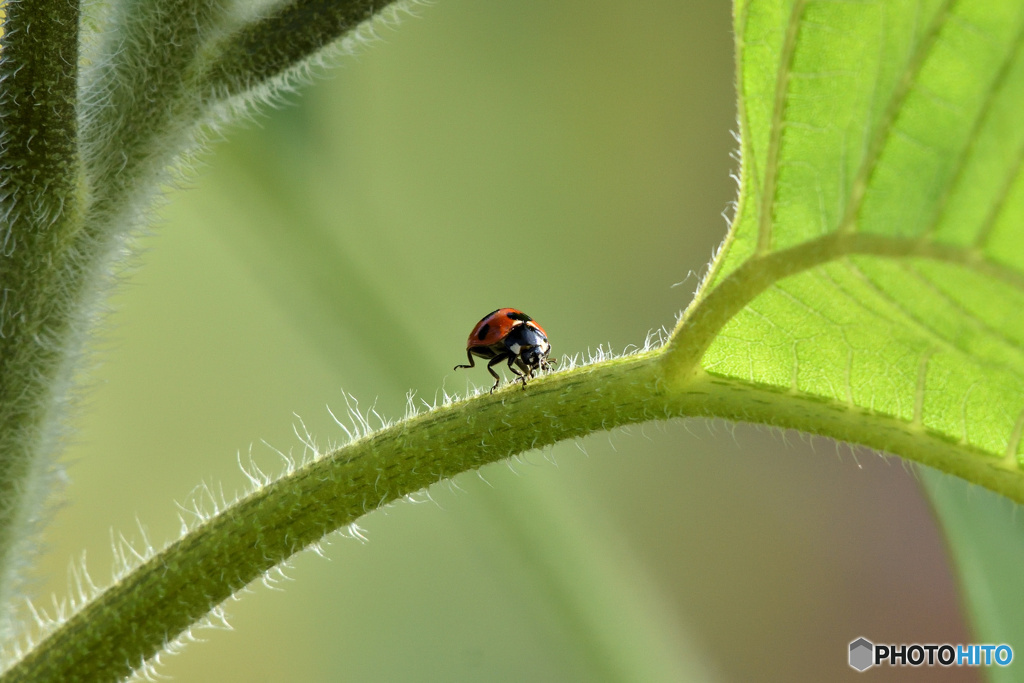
column 494, row 327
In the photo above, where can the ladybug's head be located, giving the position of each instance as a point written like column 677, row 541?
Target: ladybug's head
column 529, row 345
column 536, row 356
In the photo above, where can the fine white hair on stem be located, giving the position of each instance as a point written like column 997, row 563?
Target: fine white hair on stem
column 205, row 502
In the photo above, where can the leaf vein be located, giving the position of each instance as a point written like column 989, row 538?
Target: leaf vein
column 1012, row 346
column 924, row 328
column 999, row 205
column 886, row 126
column 993, row 91
column 1013, row 444
column 764, row 231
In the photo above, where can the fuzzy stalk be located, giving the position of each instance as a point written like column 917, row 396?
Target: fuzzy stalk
column 264, row 50
column 135, row 618
column 40, row 214
column 171, row 590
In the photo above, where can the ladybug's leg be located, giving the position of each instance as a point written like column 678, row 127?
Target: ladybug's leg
column 494, row 361
column 520, row 376
column 472, row 363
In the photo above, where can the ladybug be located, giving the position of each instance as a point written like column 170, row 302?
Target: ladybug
column 509, row 335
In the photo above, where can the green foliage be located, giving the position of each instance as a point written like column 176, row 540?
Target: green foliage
column 984, row 534
column 866, row 289
column 875, row 262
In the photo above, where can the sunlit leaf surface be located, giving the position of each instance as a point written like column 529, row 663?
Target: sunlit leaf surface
column 890, row 134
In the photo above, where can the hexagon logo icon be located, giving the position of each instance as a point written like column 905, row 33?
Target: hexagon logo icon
column 861, row 654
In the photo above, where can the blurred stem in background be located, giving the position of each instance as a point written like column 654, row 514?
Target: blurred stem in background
column 294, row 253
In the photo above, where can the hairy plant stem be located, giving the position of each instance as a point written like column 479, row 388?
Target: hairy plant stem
column 66, row 201
column 80, row 160
column 136, row 617
column 255, row 54
column 40, row 207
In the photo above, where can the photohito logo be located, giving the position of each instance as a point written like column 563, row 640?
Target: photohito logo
column 864, row 654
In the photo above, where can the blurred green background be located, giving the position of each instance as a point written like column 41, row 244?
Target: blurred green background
column 571, row 159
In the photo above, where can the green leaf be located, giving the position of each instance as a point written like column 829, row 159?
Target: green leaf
column 873, row 273
column 985, row 539
column 874, row 266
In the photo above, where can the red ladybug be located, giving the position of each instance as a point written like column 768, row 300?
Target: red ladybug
column 509, row 335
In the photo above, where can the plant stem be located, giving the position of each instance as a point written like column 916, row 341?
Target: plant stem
column 40, row 205
column 265, row 49
column 138, row 615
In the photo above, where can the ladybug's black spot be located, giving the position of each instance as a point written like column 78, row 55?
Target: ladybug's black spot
column 516, row 315
column 482, row 333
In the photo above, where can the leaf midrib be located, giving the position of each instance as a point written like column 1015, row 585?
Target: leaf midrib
column 709, row 314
